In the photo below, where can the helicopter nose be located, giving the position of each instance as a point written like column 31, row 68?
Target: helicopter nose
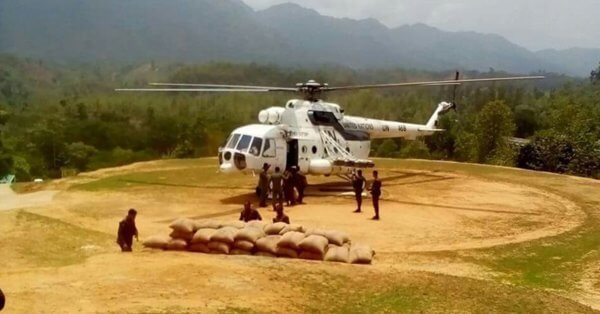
column 227, row 168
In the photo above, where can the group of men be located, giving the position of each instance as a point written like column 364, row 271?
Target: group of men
column 249, row 213
column 283, row 186
column 359, row 183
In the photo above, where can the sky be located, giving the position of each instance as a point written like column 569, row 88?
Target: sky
column 534, row 24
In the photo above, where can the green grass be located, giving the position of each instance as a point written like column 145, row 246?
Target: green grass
column 48, row 242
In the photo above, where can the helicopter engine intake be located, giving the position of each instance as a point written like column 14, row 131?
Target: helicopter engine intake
column 271, row 115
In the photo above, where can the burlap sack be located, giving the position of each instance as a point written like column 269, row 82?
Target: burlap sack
column 157, row 242
column 187, row 236
column 239, row 252
column 218, row 247
column 203, row 235
column 268, row 244
column 291, row 227
column 265, row 254
column 333, row 236
column 286, row 252
column 337, row 254
column 256, row 223
column 274, row 228
column 235, row 224
column 291, row 240
column 183, row 225
column 176, row 245
column 199, row 247
column 250, row 234
column 206, row 223
column 361, row 254
column 225, row 235
column 243, row 245
column 311, row 256
column 315, row 244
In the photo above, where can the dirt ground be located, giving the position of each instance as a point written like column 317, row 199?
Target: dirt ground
column 59, row 253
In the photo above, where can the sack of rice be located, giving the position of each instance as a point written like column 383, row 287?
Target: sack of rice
column 291, row 227
column 183, row 225
column 337, row 254
column 181, row 235
column 286, row 252
column 199, row 247
column 256, row 224
column 157, row 242
column 333, row 236
column 235, row 224
column 291, row 240
column 203, row 235
column 225, row 235
column 243, row 245
column 239, row 252
column 218, row 247
column 361, row 254
column 176, row 245
column 274, row 228
column 206, row 223
column 266, row 254
column 311, row 256
column 268, row 244
column 250, row 234
column 315, row 244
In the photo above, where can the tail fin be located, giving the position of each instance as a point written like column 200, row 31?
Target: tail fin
column 442, row 108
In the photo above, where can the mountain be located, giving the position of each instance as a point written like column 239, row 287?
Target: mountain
column 229, row 30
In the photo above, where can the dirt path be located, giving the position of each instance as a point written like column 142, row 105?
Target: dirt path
column 11, row 200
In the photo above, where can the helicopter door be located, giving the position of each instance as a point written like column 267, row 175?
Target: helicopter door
column 292, row 154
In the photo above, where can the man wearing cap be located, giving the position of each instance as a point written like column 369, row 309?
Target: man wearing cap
column 127, row 230
column 263, row 185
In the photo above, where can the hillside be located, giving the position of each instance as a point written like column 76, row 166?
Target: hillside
column 204, row 30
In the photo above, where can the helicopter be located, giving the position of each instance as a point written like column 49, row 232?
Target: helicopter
column 313, row 135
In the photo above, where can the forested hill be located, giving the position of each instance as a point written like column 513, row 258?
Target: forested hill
column 203, row 30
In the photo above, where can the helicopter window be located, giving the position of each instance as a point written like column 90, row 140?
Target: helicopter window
column 244, row 143
column 233, row 140
column 256, row 145
column 269, row 150
column 304, row 149
column 314, row 149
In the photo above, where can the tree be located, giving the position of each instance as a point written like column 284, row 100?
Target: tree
column 6, row 160
column 595, row 75
column 494, row 124
column 79, row 155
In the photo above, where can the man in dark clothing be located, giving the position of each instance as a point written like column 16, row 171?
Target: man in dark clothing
column 288, row 187
column 127, row 230
column 249, row 213
column 263, row 185
column 281, row 217
column 299, row 182
column 376, row 193
column 2, row 300
column 358, row 184
column 277, row 186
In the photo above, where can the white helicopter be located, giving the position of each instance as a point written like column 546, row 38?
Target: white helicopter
column 313, row 135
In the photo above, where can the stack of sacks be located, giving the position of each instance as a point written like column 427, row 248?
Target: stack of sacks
column 182, row 232
column 267, row 246
column 157, row 242
column 200, row 240
column 245, row 239
column 289, row 244
column 337, row 253
column 313, row 247
column 222, row 240
column 361, row 254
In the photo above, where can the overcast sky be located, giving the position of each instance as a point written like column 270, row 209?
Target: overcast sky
column 534, row 24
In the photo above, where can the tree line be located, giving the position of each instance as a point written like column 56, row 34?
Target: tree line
column 55, row 118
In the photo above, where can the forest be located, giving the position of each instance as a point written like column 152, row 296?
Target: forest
column 56, row 120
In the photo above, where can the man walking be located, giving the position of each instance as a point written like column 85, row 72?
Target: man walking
column 127, row 230
column 375, row 194
column 277, row 186
column 358, row 184
column 263, row 185
column 299, row 182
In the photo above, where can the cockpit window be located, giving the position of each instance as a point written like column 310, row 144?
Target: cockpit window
column 269, row 150
column 233, row 140
column 244, row 143
column 256, row 145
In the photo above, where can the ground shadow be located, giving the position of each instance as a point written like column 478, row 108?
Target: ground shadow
column 475, row 209
column 186, row 185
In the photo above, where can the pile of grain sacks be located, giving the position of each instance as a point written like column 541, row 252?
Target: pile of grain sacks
column 262, row 239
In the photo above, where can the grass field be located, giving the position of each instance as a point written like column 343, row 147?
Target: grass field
column 454, row 238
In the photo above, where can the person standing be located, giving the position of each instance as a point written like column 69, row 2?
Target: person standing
column 376, row 193
column 263, row 185
column 358, row 184
column 277, row 186
column 127, row 230
column 288, row 187
column 300, row 183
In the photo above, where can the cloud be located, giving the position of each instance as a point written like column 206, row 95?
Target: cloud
column 535, row 24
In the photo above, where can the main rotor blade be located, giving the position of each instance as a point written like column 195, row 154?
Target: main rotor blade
column 270, row 88
column 191, row 90
column 435, row 83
